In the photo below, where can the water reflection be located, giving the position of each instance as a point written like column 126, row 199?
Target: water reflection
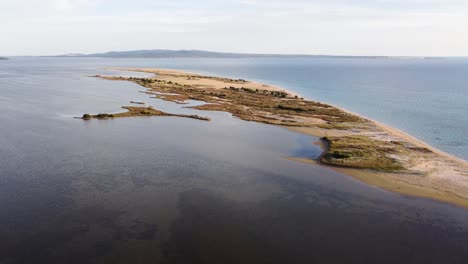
column 173, row 190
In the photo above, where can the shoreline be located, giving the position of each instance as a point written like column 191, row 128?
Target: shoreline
column 384, row 126
column 136, row 111
column 183, row 73
column 387, row 181
column 400, row 133
column 428, row 172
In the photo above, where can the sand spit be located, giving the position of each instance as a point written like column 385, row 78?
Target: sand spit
column 371, row 152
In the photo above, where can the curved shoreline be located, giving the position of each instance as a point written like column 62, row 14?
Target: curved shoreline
column 400, row 133
column 384, row 126
column 389, row 181
column 429, row 172
column 407, row 136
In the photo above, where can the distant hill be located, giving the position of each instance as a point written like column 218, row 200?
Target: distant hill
column 2, row 58
column 160, row 53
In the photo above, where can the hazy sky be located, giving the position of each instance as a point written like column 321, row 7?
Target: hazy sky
column 345, row 27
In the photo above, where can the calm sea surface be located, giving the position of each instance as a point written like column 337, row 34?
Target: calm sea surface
column 174, row 190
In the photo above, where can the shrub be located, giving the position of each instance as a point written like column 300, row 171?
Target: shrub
column 341, row 155
column 288, row 108
column 103, row 116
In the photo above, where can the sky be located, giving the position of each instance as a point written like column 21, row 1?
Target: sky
column 332, row 27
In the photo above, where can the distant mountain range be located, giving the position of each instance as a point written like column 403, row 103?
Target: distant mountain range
column 161, row 53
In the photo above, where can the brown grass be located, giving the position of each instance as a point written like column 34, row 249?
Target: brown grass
column 274, row 107
column 140, row 111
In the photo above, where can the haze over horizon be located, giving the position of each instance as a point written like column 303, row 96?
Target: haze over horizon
column 317, row 27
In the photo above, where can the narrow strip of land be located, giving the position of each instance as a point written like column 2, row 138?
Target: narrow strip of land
column 371, row 152
column 133, row 111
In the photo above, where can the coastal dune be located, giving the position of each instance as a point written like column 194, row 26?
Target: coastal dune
column 369, row 151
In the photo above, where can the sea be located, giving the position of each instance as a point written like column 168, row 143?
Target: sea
column 175, row 190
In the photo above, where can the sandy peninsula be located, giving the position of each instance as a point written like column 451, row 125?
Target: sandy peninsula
column 372, row 152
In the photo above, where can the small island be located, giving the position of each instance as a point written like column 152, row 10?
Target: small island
column 140, row 111
column 367, row 150
column 3, row 58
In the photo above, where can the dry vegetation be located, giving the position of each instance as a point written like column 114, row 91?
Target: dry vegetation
column 278, row 108
column 363, row 153
column 362, row 148
column 140, row 111
column 353, row 141
column 250, row 102
column 369, row 151
column 260, row 105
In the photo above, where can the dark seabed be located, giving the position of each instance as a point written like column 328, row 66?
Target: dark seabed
column 174, row 190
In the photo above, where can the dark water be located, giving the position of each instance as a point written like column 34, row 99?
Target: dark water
column 173, row 190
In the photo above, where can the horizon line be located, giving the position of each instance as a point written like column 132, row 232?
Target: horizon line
column 240, row 53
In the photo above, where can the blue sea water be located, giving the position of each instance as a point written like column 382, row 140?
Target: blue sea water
column 175, row 190
column 426, row 98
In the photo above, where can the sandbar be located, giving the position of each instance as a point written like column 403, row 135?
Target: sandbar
column 369, row 151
